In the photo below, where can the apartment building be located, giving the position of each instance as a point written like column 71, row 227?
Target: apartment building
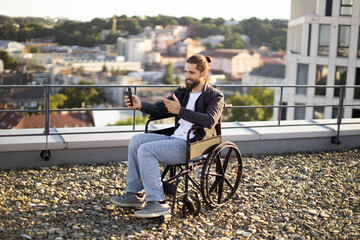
column 11, row 46
column 323, row 49
column 134, row 48
column 234, row 62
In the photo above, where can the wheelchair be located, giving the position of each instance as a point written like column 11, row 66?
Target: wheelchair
column 211, row 174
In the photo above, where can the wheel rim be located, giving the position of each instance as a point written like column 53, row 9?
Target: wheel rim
column 221, row 174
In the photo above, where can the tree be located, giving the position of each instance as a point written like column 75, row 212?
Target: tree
column 57, row 101
column 168, row 75
column 9, row 61
column 269, row 32
column 265, row 96
column 187, row 21
column 112, row 37
column 89, row 95
column 257, row 96
column 178, row 78
column 139, row 120
column 34, row 50
column 8, row 31
column 278, row 42
column 246, row 114
column 104, row 68
column 232, row 41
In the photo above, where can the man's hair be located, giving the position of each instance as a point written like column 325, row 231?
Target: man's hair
column 202, row 62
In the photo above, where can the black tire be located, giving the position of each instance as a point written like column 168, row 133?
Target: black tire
column 191, row 206
column 221, row 174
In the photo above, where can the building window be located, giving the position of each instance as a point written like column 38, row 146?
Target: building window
column 324, row 40
column 321, row 78
column 343, row 41
column 328, row 9
column 357, row 83
column 340, row 79
column 346, row 7
column 299, row 112
column 302, row 78
column 356, row 113
column 334, row 112
column 318, row 112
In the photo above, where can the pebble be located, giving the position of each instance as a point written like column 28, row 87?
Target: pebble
column 289, row 196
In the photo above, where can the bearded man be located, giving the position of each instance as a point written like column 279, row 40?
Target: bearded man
column 196, row 103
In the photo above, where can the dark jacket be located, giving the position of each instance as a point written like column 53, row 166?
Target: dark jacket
column 208, row 110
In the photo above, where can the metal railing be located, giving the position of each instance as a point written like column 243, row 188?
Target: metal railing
column 47, row 89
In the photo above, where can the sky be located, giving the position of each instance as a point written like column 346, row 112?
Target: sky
column 86, row 10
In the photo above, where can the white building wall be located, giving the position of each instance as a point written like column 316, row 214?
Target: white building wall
column 136, row 49
column 1, row 66
column 299, row 53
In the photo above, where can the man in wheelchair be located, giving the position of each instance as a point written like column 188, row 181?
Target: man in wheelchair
column 196, row 103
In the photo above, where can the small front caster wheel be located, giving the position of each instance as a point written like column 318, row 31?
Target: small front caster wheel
column 191, row 206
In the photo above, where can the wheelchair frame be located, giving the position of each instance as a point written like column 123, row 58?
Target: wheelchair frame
column 213, row 156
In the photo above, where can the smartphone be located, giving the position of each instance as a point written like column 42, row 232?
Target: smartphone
column 128, row 93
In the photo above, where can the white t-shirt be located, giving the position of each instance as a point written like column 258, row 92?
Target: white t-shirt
column 182, row 130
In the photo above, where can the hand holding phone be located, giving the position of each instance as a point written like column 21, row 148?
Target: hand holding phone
column 129, row 94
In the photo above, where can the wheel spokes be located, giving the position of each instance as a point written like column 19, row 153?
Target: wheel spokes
column 221, row 175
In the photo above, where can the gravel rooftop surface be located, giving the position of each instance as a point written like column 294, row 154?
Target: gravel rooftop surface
column 289, row 196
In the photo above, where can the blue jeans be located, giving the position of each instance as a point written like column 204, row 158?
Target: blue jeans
column 146, row 151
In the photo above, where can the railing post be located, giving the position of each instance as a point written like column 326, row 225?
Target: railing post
column 336, row 140
column 47, row 107
column 45, row 154
column 134, row 112
column 281, row 100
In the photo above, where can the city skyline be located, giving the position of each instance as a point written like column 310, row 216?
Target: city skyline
column 87, row 10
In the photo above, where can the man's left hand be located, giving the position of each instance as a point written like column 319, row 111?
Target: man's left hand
column 172, row 106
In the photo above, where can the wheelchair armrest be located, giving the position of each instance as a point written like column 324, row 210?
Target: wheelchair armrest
column 154, row 118
column 195, row 127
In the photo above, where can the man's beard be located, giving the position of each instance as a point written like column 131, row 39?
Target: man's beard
column 194, row 83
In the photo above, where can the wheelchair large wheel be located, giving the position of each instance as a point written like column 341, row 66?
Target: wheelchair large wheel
column 221, row 174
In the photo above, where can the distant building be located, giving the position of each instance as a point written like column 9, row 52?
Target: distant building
column 1, row 66
column 105, row 118
column 134, row 49
column 16, row 78
column 176, row 32
column 48, row 39
column 11, row 46
column 234, row 62
column 58, row 120
column 97, row 66
column 231, row 22
column 115, row 96
column 23, row 97
column 214, row 40
column 323, row 49
column 9, row 120
column 176, row 61
column 273, row 74
column 186, row 48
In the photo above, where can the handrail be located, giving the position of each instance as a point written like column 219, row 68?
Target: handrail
column 47, row 111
